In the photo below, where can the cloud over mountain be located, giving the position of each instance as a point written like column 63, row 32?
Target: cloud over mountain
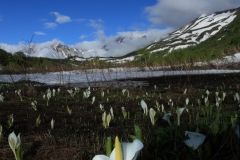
column 176, row 14
column 105, row 46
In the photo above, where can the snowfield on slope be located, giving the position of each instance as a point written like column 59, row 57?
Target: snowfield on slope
column 191, row 32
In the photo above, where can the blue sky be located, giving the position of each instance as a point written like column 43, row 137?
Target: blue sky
column 78, row 20
column 90, row 24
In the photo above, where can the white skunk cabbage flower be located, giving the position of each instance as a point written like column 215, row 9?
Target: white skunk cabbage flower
column 152, row 114
column 14, row 141
column 157, row 106
column 218, row 99
column 34, row 105
column 205, row 100
column 49, row 95
column 223, row 96
column 48, row 90
column 102, row 94
column 70, row 91
column 52, row 123
column 1, row 98
column 169, row 101
column 144, row 107
column 19, row 92
column 123, row 151
column 10, row 120
column 179, row 112
column 124, row 112
column 58, row 90
column 166, row 117
column 187, row 101
column 207, row 92
column 217, row 104
column 15, row 144
column 77, row 89
column 123, row 91
column 53, row 92
column 185, row 91
column 106, row 119
column 163, row 108
column 195, row 139
column 87, row 93
column 237, row 96
column 111, row 111
column 93, row 99
column 101, row 107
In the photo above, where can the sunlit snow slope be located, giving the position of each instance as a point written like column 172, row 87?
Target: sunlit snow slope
column 195, row 32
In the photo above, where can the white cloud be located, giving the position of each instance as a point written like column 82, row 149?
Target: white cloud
column 39, row 33
column 40, row 49
column 107, row 46
column 177, row 13
column 50, row 25
column 97, row 24
column 12, row 48
column 61, row 18
column 82, row 36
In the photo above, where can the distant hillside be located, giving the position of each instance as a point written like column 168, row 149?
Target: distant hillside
column 20, row 63
column 207, row 37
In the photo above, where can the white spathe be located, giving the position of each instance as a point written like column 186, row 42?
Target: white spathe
column 1, row 98
column 195, row 139
column 152, row 114
column 179, row 112
column 144, row 107
column 166, row 117
column 14, row 141
column 130, row 151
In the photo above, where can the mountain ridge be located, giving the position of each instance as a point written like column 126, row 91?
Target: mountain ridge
column 197, row 31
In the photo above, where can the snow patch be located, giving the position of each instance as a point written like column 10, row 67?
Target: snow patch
column 160, row 49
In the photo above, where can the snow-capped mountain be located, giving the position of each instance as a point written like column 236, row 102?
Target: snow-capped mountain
column 65, row 51
column 195, row 32
column 56, row 51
